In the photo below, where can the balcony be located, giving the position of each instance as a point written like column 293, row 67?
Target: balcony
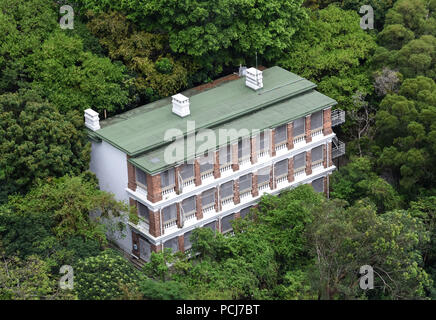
column 299, row 172
column 299, row 139
column 227, row 201
column 225, row 167
column 317, row 164
column 338, row 117
column 281, row 146
column 206, row 175
column 338, row 148
column 170, row 224
column 188, row 182
column 316, row 132
column 190, row 216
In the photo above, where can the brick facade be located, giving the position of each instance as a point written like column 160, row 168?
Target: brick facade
column 327, row 121
column 179, row 213
column 135, row 242
column 324, row 155
column 308, row 130
column 254, row 189
column 291, row 169
column 198, row 207
column 217, row 205
column 308, row 162
column 197, row 174
column 155, row 226
column 154, row 190
column 157, row 248
column 330, row 161
column 290, row 135
column 216, row 165
column 181, row 240
column 131, row 175
column 236, row 199
column 176, row 176
column 272, row 143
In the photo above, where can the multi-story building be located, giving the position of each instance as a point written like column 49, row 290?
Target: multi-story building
column 165, row 158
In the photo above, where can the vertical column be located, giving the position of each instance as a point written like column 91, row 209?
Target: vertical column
column 155, row 225
column 176, row 176
column 272, row 143
column 290, row 135
column 217, row 200
column 272, row 178
column 326, row 185
column 199, row 210
column 309, row 162
column 131, row 175
column 324, row 155
column 291, row 169
column 253, row 150
column 181, row 240
column 254, row 189
column 179, row 213
column 236, row 198
column 154, row 190
column 235, row 161
column 330, row 161
column 307, row 129
column 197, row 173
column 216, row 165
column 156, row 248
column 327, row 121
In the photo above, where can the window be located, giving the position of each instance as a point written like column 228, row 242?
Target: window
column 280, row 135
column 264, row 140
column 188, row 206
column 141, row 178
column 225, row 155
column 143, row 212
column 245, row 183
column 211, row 225
column 172, row 244
column 167, row 178
column 316, row 120
column 244, row 149
column 299, row 126
column 263, row 176
column 281, row 168
column 244, row 212
column 144, row 249
column 187, row 171
column 300, row 161
column 208, row 198
column 317, row 154
column 187, row 240
column 226, row 225
column 318, row 185
column 169, row 214
column 206, row 163
column 226, row 190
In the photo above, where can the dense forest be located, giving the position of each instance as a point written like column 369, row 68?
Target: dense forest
column 125, row 53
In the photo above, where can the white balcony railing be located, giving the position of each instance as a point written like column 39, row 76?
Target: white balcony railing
column 316, row 132
column 299, row 138
column 263, row 186
column 168, row 190
column 188, row 182
column 262, row 153
column 208, row 209
column 227, row 201
column 225, row 168
column 206, row 175
column 299, row 172
column 170, row 224
column 189, row 216
column 244, row 161
column 282, row 179
column 281, row 146
column 317, row 164
column 245, row 194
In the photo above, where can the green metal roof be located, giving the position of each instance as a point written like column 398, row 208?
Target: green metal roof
column 143, row 129
column 273, row 116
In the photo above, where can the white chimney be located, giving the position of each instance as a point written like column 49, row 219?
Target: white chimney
column 254, row 79
column 92, row 120
column 181, row 105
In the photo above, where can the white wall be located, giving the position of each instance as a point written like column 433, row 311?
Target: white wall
column 110, row 166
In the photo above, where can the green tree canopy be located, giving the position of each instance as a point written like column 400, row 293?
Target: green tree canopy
column 331, row 49
column 37, row 142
